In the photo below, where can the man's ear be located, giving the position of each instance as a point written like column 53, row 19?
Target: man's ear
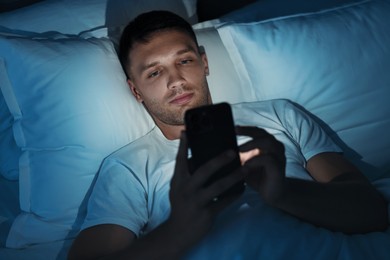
column 134, row 90
column 206, row 63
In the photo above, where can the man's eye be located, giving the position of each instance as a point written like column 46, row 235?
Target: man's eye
column 186, row 61
column 153, row 74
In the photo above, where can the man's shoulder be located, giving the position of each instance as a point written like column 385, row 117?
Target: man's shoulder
column 269, row 109
column 277, row 114
column 132, row 150
column 275, row 105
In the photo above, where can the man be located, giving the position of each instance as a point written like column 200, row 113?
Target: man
column 146, row 204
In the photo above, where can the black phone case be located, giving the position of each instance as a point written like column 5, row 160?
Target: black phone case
column 210, row 131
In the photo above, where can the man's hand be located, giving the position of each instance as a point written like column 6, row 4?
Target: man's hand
column 193, row 205
column 341, row 198
column 266, row 169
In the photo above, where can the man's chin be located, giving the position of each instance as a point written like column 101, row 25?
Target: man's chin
column 180, row 113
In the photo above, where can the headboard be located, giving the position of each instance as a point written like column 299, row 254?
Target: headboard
column 9, row 5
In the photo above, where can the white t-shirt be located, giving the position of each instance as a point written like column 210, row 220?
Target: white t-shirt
column 132, row 187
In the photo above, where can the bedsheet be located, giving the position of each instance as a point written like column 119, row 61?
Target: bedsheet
column 258, row 233
column 55, row 250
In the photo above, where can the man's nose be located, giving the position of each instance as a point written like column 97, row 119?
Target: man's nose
column 176, row 78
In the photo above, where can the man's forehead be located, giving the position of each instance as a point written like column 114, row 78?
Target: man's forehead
column 160, row 46
column 165, row 37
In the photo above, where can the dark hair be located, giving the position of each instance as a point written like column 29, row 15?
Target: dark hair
column 143, row 26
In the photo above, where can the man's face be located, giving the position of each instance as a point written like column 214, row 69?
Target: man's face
column 169, row 76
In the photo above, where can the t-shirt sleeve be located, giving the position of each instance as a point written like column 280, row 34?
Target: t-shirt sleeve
column 118, row 197
column 310, row 136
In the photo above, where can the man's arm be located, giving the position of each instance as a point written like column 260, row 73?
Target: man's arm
column 193, row 210
column 109, row 241
column 341, row 198
column 100, row 240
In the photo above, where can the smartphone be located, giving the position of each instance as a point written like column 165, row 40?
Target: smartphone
column 210, row 132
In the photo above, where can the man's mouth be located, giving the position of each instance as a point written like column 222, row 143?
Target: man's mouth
column 182, row 99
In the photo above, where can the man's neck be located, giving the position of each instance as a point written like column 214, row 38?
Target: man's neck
column 171, row 132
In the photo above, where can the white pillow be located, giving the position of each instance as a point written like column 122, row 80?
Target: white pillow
column 223, row 80
column 63, row 72
column 335, row 63
column 71, row 108
column 88, row 18
column 77, row 16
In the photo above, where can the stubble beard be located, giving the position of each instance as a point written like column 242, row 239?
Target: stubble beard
column 176, row 117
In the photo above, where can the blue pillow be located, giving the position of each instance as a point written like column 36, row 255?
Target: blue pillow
column 70, row 107
column 267, row 9
column 9, row 152
column 9, row 207
column 335, row 63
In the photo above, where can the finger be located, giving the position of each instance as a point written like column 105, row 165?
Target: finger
column 245, row 156
column 266, row 164
column 221, row 185
column 183, row 147
column 207, row 170
column 261, row 162
column 260, row 139
column 266, row 176
column 265, row 144
column 181, row 167
column 217, row 206
column 251, row 131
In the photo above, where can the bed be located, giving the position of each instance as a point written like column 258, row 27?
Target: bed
column 65, row 106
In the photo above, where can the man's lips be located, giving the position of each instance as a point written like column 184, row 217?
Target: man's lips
column 182, row 99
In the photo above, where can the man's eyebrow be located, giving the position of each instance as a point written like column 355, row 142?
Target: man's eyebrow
column 183, row 51
column 147, row 66
column 152, row 64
